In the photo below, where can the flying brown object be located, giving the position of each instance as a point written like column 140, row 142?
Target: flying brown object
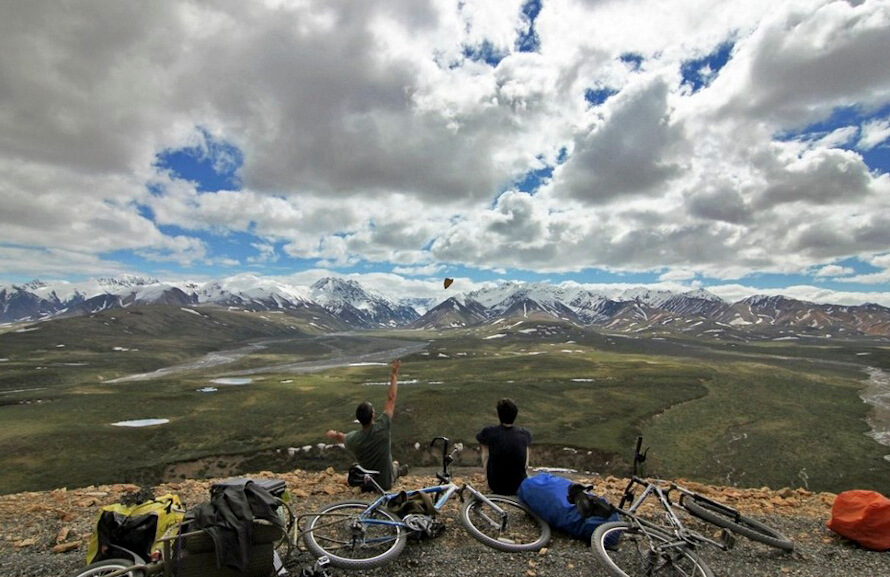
column 448, row 282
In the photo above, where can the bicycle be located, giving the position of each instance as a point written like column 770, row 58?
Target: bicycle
column 639, row 545
column 358, row 535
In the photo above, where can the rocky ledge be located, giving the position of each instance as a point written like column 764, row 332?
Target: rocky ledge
column 47, row 533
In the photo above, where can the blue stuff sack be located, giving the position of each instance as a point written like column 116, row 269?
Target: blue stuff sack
column 545, row 494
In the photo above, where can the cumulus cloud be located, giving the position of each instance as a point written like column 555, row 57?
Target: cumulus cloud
column 400, row 133
column 630, row 151
column 804, row 59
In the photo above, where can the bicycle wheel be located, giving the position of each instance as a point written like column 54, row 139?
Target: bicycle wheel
column 284, row 546
column 750, row 528
column 108, row 567
column 353, row 537
column 645, row 552
column 522, row 531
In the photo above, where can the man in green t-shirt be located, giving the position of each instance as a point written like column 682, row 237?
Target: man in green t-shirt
column 372, row 444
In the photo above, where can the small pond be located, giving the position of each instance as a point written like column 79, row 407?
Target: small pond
column 232, row 381
column 141, row 423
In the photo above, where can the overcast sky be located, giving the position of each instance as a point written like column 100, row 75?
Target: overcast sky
column 741, row 145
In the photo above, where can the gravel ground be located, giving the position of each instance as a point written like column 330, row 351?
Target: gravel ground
column 32, row 525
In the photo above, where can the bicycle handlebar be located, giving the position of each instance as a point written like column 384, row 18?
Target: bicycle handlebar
column 445, row 442
column 639, row 457
column 447, row 459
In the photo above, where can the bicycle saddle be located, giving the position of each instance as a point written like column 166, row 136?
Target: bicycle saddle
column 357, row 474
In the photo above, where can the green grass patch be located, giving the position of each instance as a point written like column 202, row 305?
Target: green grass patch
column 753, row 414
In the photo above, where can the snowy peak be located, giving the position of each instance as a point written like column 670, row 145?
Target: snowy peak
column 457, row 311
column 126, row 281
column 333, row 292
column 490, row 297
column 348, row 303
column 249, row 290
column 358, row 307
column 703, row 294
column 35, row 284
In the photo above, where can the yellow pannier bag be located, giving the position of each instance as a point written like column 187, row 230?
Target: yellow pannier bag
column 135, row 528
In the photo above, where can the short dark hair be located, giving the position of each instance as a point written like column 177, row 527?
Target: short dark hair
column 507, row 411
column 364, row 413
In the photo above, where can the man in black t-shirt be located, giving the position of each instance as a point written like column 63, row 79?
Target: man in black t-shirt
column 505, row 450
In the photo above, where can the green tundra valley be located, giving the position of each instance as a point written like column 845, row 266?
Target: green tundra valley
column 148, row 393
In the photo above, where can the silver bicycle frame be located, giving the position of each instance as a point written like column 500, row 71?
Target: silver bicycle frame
column 676, row 525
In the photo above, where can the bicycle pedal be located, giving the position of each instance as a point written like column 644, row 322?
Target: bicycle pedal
column 727, row 538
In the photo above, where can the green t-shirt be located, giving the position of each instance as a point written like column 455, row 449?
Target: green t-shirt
column 373, row 449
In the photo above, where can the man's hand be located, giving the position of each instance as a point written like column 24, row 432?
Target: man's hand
column 336, row 435
column 390, row 407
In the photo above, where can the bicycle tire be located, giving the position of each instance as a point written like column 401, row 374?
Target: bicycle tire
column 107, row 567
column 284, row 546
column 637, row 549
column 524, row 531
column 754, row 530
column 338, row 524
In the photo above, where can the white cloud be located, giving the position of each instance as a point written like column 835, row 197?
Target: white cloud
column 882, row 277
column 414, row 271
column 630, row 151
column 183, row 250
column 678, row 274
column 368, row 136
column 880, row 260
column 833, row 270
column 806, row 58
column 265, row 253
column 838, row 137
column 874, row 133
column 55, row 263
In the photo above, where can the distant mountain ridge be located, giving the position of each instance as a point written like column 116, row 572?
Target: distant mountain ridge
column 639, row 310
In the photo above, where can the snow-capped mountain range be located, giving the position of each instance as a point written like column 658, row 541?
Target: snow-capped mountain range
column 638, row 310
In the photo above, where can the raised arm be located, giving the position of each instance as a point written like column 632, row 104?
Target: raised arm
column 336, row 435
column 390, row 407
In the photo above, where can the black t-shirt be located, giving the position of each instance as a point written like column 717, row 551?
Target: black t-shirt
column 507, row 453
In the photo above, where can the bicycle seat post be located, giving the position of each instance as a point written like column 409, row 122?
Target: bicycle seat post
column 639, row 457
column 370, row 481
column 444, row 476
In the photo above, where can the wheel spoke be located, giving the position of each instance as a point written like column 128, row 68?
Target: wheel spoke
column 509, row 527
column 353, row 537
column 631, row 551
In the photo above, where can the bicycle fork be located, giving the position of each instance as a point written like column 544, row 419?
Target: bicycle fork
column 663, row 556
column 501, row 523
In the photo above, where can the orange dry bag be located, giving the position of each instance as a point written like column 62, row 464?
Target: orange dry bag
column 864, row 517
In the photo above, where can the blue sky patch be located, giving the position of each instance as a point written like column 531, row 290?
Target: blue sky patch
column 877, row 159
column 632, row 60
column 875, row 155
column 700, row 72
column 485, row 52
column 597, row 96
column 528, row 41
column 145, row 212
column 213, row 166
column 533, row 178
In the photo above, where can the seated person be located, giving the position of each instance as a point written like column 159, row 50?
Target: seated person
column 371, row 445
column 505, row 450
